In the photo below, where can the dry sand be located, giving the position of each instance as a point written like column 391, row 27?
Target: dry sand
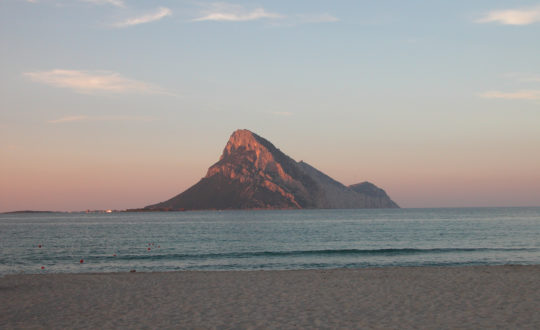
column 506, row 297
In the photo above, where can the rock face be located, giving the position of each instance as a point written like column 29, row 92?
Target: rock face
column 253, row 174
column 378, row 196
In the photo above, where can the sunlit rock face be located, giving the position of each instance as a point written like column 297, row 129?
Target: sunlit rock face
column 253, row 174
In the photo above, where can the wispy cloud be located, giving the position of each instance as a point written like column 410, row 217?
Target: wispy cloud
column 518, row 95
column 84, row 118
column 161, row 12
column 281, row 113
column 523, row 16
column 524, row 77
column 317, row 18
column 89, row 82
column 116, row 3
column 225, row 12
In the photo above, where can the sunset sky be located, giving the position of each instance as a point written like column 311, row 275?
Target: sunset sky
column 114, row 104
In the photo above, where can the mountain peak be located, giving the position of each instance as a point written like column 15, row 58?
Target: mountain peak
column 253, row 173
column 241, row 140
column 241, row 133
column 248, row 157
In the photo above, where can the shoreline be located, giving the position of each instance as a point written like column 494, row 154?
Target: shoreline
column 389, row 297
column 48, row 272
column 142, row 210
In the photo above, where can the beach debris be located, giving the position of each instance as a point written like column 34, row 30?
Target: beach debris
column 42, row 267
column 81, row 261
column 148, row 249
column 132, row 271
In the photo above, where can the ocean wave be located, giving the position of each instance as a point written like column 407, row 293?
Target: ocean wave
column 327, row 252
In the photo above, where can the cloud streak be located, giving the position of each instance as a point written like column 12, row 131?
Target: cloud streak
column 116, row 3
column 84, row 118
column 524, row 77
column 518, row 95
column 161, row 13
column 223, row 12
column 226, row 12
column 281, row 113
column 523, row 16
column 89, row 82
column 317, row 18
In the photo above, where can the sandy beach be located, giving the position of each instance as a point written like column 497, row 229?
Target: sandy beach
column 391, row 298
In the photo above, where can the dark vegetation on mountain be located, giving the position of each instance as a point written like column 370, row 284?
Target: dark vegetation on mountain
column 253, row 174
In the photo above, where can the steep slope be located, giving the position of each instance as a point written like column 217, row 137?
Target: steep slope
column 378, row 196
column 252, row 173
column 335, row 194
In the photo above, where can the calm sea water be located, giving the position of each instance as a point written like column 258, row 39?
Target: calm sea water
column 242, row 240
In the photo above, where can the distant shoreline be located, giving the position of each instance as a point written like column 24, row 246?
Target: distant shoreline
column 142, row 210
column 30, row 211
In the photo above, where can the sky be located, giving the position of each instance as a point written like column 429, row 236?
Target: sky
column 115, row 104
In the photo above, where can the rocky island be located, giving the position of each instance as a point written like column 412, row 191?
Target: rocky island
column 253, row 174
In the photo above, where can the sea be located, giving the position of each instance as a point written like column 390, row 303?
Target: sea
column 265, row 240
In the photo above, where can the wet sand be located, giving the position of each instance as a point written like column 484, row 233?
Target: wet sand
column 391, row 298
